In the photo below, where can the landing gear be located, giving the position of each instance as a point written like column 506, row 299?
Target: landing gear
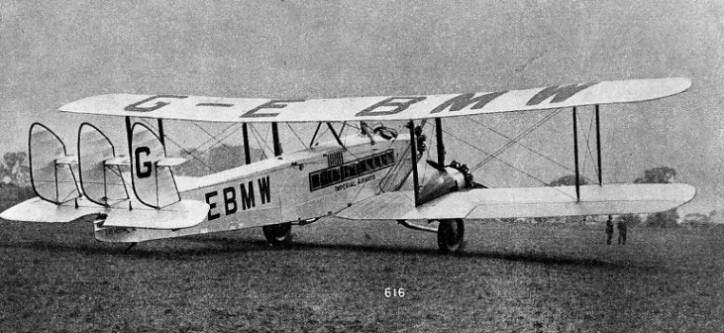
column 278, row 234
column 450, row 235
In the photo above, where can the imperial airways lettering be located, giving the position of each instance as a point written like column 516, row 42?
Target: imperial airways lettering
column 238, row 198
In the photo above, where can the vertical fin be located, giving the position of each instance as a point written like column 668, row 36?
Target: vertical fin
column 50, row 174
column 101, row 183
column 153, row 184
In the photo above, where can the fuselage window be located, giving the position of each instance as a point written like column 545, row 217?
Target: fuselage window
column 350, row 171
column 315, row 181
column 330, row 176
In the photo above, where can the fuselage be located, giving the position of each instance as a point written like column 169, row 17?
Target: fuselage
column 296, row 186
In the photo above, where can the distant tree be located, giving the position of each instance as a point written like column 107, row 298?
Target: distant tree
column 13, row 168
column 631, row 220
column 194, row 166
column 659, row 175
column 568, row 180
column 219, row 158
column 225, row 157
column 696, row 218
column 662, row 174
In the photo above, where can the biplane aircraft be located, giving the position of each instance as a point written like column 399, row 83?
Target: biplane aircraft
column 135, row 197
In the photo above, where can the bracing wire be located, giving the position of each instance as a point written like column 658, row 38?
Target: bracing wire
column 297, row 135
column 212, row 137
column 520, row 144
column 487, row 153
column 259, row 141
column 219, row 142
column 588, row 145
column 182, row 148
column 516, row 139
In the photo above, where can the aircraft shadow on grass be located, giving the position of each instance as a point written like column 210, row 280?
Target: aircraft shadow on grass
column 220, row 246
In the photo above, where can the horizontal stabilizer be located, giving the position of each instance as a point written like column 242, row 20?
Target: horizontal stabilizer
column 179, row 215
column 68, row 160
column 170, row 161
column 526, row 202
column 119, row 161
column 182, row 214
column 39, row 210
column 376, row 108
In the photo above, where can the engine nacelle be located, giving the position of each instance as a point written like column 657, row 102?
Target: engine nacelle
column 440, row 182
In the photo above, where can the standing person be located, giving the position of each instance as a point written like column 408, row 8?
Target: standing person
column 621, row 231
column 609, row 230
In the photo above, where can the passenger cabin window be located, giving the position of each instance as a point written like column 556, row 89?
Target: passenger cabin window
column 333, row 175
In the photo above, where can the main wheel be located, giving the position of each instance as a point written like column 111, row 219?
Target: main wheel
column 278, row 234
column 450, row 234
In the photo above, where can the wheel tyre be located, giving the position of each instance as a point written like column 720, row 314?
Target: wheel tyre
column 278, row 234
column 450, row 235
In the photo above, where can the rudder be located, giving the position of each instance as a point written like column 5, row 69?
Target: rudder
column 51, row 173
column 100, row 178
column 153, row 181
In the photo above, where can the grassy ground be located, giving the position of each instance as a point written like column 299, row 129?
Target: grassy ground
column 512, row 277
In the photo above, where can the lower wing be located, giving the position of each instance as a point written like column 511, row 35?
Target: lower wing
column 525, row 202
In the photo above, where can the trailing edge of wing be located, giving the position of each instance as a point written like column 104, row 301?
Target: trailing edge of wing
column 215, row 109
column 526, row 202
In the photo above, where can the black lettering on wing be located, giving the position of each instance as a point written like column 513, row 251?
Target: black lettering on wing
column 559, row 93
column 389, row 106
column 460, row 102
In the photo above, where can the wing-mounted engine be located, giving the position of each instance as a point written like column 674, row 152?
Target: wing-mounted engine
column 153, row 180
column 438, row 181
column 51, row 168
column 99, row 168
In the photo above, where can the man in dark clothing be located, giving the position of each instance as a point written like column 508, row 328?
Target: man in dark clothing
column 609, row 230
column 621, row 231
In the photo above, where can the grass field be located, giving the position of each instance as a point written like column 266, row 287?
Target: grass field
column 512, row 277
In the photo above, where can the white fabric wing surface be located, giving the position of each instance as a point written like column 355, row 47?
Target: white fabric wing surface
column 407, row 107
column 525, row 202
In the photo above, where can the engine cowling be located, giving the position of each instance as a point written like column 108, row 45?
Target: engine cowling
column 441, row 181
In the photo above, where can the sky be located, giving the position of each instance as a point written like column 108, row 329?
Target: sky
column 52, row 53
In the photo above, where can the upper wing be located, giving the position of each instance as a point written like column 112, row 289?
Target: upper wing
column 197, row 108
column 525, row 202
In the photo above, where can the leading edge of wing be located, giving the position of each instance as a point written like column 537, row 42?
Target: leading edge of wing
column 216, row 109
column 526, row 202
